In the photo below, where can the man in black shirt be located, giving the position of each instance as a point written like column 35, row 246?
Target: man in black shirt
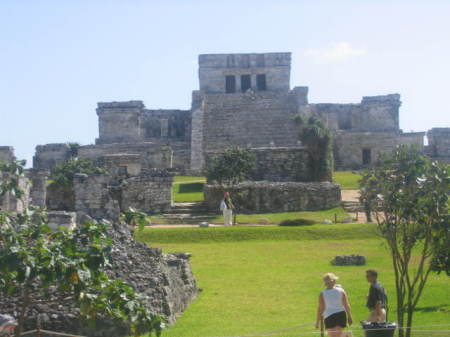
column 376, row 301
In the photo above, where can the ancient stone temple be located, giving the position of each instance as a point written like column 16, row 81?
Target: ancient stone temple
column 244, row 100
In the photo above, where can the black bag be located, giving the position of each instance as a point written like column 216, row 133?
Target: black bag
column 379, row 329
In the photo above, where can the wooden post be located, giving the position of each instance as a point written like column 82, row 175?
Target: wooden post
column 322, row 328
column 335, row 218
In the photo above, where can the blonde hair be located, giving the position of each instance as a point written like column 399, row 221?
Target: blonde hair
column 329, row 278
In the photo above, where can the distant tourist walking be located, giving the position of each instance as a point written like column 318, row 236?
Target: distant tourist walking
column 377, row 299
column 226, row 206
column 334, row 307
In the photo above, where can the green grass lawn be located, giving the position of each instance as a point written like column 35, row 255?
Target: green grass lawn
column 273, row 278
column 347, row 179
column 188, row 189
column 273, row 218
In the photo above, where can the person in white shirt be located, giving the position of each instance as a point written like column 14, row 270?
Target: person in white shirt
column 226, row 206
column 334, row 307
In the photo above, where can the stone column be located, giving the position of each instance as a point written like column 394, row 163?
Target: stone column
column 39, row 187
column 164, row 128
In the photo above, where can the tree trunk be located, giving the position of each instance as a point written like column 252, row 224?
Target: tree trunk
column 409, row 318
column 23, row 311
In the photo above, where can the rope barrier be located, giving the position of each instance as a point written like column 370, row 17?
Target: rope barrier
column 279, row 331
column 63, row 334
column 303, row 333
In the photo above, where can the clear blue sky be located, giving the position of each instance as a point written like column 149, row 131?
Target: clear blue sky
column 59, row 58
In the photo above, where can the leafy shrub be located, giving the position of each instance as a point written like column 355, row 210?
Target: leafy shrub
column 230, row 167
column 64, row 172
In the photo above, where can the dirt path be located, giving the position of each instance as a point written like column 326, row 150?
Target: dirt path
column 350, row 195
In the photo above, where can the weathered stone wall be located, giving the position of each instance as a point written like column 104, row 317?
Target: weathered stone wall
column 104, row 196
column 350, row 146
column 250, row 120
column 439, row 142
column 120, row 122
column 374, row 113
column 128, row 122
column 166, row 124
column 267, row 197
column 150, row 155
column 7, row 154
column 38, row 192
column 49, row 155
column 149, row 193
column 282, row 164
column 59, row 198
column 214, row 67
column 9, row 202
column 97, row 197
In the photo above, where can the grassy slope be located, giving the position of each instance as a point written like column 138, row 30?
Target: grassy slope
column 347, row 179
column 273, row 280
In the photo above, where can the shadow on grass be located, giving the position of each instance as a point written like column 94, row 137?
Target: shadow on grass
column 190, row 188
column 434, row 308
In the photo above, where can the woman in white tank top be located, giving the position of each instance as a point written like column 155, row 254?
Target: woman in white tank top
column 333, row 307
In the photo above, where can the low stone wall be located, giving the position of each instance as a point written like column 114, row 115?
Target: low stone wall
column 148, row 193
column 103, row 197
column 263, row 196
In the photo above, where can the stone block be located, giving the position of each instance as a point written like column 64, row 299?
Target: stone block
column 349, row 260
column 57, row 219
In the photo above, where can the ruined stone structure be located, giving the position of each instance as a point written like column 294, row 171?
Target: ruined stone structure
column 439, row 144
column 268, row 196
column 7, row 154
column 246, row 100
column 105, row 196
column 166, row 280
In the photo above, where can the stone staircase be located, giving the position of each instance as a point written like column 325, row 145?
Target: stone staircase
column 186, row 213
column 352, row 206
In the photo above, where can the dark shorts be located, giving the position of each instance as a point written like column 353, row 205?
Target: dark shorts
column 337, row 319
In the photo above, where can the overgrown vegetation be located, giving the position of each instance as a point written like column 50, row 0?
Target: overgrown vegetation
column 64, row 265
column 317, row 138
column 63, row 173
column 134, row 218
column 409, row 194
column 230, row 167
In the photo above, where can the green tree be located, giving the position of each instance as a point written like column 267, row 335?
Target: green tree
column 9, row 178
column 230, row 167
column 36, row 260
column 409, row 194
column 318, row 140
column 135, row 218
column 63, row 173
